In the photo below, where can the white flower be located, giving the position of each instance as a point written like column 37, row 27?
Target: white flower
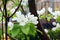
column 54, row 28
column 55, row 13
column 54, row 23
column 58, row 25
column 46, row 30
column 10, row 25
column 49, row 9
column 41, row 11
column 22, row 20
column 14, row 19
column 32, row 18
column 18, row 14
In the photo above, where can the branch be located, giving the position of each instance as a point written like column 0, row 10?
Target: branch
column 33, row 10
column 16, row 9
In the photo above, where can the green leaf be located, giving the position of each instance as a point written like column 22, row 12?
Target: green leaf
column 16, row 3
column 32, row 29
column 25, row 29
column 15, row 31
column 58, row 19
column 41, row 17
column 49, row 16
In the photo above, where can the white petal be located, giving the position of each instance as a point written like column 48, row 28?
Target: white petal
column 54, row 28
column 10, row 24
column 58, row 25
column 46, row 30
column 15, row 18
column 18, row 14
column 22, row 23
column 54, row 23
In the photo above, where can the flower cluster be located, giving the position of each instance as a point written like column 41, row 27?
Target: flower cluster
column 55, row 13
column 24, row 19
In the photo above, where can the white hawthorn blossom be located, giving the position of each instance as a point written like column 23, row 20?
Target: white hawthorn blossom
column 54, row 28
column 55, row 13
column 24, row 19
column 58, row 25
column 41, row 11
column 18, row 14
column 50, row 9
column 10, row 25
column 32, row 18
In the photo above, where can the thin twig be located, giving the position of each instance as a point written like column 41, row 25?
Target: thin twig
column 16, row 9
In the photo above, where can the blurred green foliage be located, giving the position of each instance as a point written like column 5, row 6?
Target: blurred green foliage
column 27, row 32
column 58, row 19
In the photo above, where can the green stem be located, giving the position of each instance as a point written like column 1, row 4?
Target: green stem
column 39, row 31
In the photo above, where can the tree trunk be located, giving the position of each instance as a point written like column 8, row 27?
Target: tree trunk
column 33, row 10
